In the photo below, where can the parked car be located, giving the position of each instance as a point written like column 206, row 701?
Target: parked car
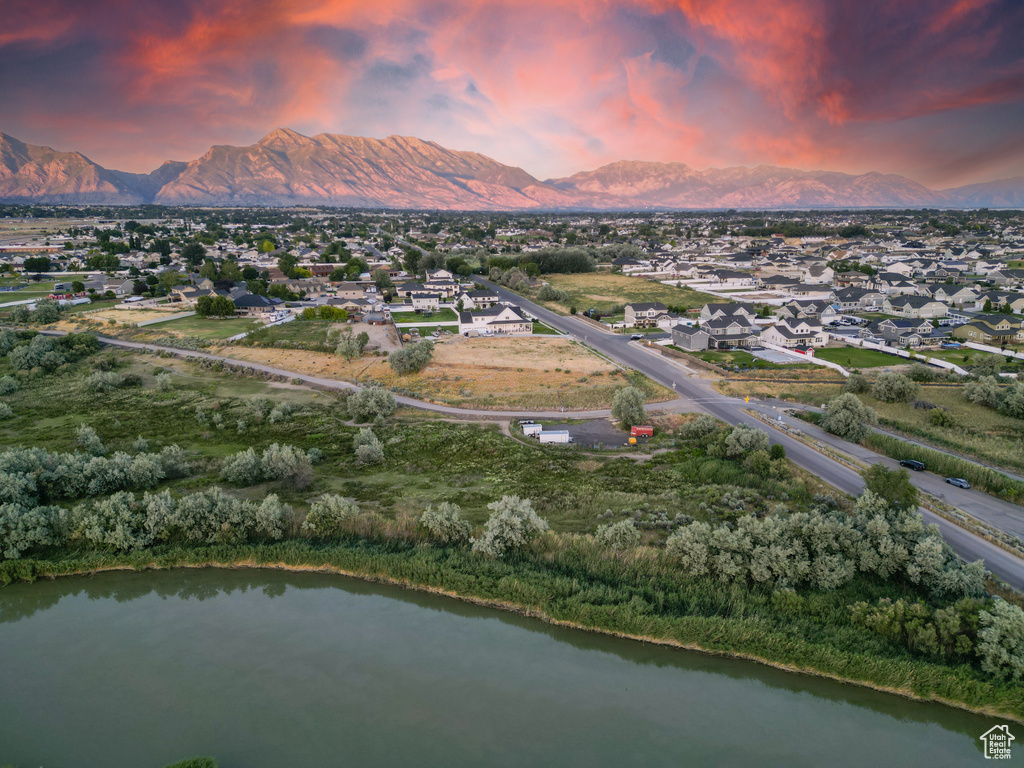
column 913, row 464
column 959, row 482
column 636, row 336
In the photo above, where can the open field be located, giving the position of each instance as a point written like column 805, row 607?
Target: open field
column 977, row 431
column 435, row 317
column 133, row 316
column 606, row 291
column 510, row 373
column 207, row 328
column 858, row 357
column 428, row 459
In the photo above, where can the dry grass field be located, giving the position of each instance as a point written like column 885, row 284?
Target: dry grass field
column 605, row 291
column 975, row 430
column 513, row 373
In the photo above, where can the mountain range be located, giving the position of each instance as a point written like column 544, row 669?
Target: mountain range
column 285, row 168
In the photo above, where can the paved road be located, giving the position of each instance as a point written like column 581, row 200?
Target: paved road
column 695, row 394
column 999, row 514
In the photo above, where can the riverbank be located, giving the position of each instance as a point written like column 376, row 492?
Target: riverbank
column 572, row 585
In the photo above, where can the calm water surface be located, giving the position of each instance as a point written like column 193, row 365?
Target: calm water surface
column 291, row 670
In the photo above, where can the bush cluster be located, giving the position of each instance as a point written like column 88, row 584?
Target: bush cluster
column 278, row 462
column 411, row 358
column 825, row 549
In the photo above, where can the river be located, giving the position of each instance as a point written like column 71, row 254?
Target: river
column 267, row 668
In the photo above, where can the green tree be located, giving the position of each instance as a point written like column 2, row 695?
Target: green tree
column 194, row 254
column 847, row 417
column 382, row 280
column 628, row 407
column 445, row 524
column 892, row 485
column 892, row 387
column 372, row 403
column 512, row 525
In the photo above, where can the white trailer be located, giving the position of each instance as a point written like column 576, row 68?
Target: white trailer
column 532, row 429
column 554, row 436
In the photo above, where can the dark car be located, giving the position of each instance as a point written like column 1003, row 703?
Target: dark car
column 636, row 336
column 959, row 482
column 913, row 464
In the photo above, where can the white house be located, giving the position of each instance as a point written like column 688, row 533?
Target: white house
column 795, row 333
column 500, row 320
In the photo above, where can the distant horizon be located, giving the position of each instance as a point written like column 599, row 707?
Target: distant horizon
column 932, row 90
column 542, row 179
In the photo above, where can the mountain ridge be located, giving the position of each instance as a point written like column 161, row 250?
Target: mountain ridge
column 286, row 167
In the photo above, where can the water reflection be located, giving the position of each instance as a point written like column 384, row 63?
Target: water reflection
column 20, row 602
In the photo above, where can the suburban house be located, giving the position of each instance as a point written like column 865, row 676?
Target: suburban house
column 348, row 291
column 481, row 299
column 730, row 278
column 445, row 288
column 991, row 329
column 428, row 301
column 851, row 279
column 822, row 311
column 254, row 305
column 690, row 338
column 729, row 310
column 644, row 315
column 853, row 299
column 905, row 332
column 731, row 332
column 500, row 320
column 955, row 294
column 795, row 333
column 914, row 307
column 439, row 275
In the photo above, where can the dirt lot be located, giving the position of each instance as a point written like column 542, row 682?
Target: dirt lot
column 381, row 336
column 521, row 373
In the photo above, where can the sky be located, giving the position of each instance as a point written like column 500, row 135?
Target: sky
column 930, row 89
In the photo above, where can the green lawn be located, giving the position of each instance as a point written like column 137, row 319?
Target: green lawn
column 858, row 357
column 728, row 357
column 207, row 328
column 412, row 317
column 541, row 328
column 608, row 292
column 426, row 330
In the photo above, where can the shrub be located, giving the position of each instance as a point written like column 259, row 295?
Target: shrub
column 984, row 391
column 327, row 515
column 164, row 382
column 107, row 381
column 24, row 528
column 8, row 385
column 280, row 412
column 893, row 485
column 700, row 428
column 411, row 358
column 511, row 526
column 620, row 535
column 847, row 417
column 628, row 407
column 1013, row 401
column 825, row 548
column 287, row 463
column 369, row 449
column 856, row 384
column 1001, row 641
column 891, row 387
column 6, row 412
column 372, row 403
column 745, row 439
column 86, row 437
column 445, row 524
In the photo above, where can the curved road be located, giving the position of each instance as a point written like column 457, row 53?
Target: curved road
column 695, row 394
column 999, row 514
